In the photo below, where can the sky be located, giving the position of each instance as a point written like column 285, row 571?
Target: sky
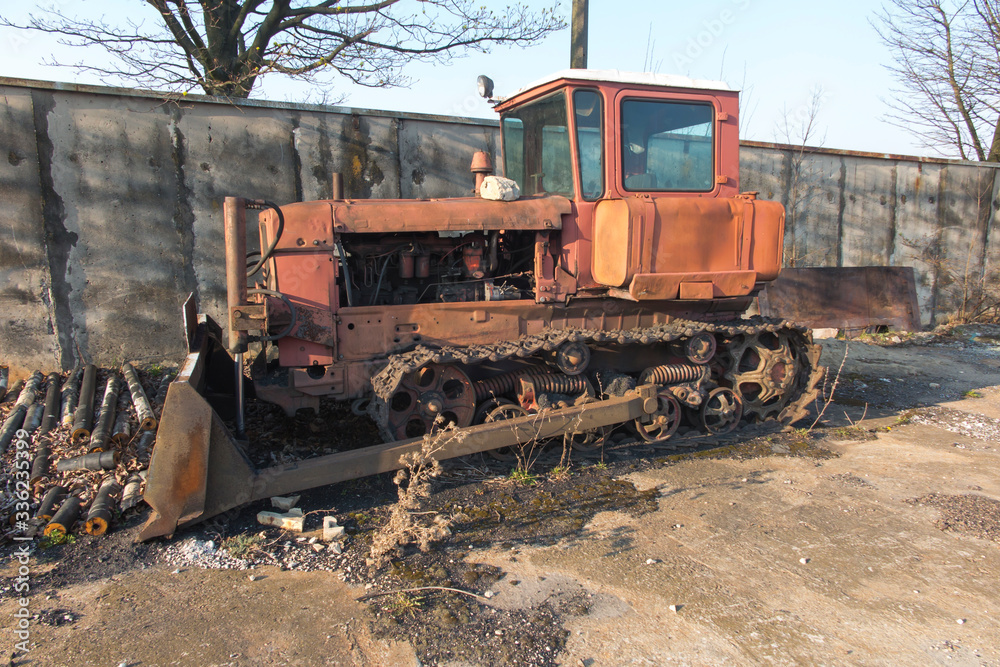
column 779, row 52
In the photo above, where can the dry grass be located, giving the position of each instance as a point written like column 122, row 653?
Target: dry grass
column 408, row 523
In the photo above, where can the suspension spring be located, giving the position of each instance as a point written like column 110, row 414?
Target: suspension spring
column 571, row 385
column 672, row 373
column 507, row 383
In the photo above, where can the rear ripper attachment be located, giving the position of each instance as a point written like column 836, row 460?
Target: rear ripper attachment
column 604, row 285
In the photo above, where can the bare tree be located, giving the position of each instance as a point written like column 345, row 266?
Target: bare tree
column 947, row 62
column 799, row 129
column 225, row 46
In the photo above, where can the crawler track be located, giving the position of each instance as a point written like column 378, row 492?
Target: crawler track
column 745, row 359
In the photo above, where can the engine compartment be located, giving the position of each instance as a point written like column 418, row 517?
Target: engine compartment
column 409, row 269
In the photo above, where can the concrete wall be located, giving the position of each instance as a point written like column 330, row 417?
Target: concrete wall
column 112, row 205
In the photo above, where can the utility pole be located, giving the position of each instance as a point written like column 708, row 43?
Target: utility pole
column 578, row 44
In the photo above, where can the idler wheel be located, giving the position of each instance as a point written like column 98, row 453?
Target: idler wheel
column 700, row 348
column 662, row 424
column 721, row 411
column 572, row 358
column 436, row 393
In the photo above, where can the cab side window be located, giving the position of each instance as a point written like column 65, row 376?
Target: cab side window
column 587, row 110
column 667, row 146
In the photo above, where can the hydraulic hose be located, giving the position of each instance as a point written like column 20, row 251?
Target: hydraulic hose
column 381, row 275
column 346, row 272
column 266, row 255
column 295, row 317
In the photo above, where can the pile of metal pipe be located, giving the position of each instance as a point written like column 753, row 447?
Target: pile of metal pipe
column 45, row 403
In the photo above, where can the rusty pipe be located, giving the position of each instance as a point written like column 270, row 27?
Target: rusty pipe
column 15, row 420
column 52, row 497
column 121, row 432
column 29, row 393
column 101, row 510
column 482, row 167
column 39, row 465
column 50, row 416
column 106, row 419
column 33, row 417
column 92, row 461
column 70, row 395
column 83, row 420
column 63, row 520
column 338, row 186
column 143, row 412
column 132, row 493
column 16, row 417
column 235, row 219
column 144, row 448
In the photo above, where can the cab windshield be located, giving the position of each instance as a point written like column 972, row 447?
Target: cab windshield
column 536, row 147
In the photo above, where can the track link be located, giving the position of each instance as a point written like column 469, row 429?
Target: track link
column 803, row 389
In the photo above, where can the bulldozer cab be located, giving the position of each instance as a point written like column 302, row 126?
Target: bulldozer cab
column 591, row 135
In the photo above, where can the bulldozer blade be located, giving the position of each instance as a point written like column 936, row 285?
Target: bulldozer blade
column 197, row 469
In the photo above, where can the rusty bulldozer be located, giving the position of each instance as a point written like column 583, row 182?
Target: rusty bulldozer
column 601, row 283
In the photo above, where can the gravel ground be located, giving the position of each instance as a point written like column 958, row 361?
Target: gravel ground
column 969, row 514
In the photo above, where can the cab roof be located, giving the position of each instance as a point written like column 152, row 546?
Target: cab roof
column 618, row 76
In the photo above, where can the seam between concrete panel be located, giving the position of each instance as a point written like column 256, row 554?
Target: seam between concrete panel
column 841, row 208
column 183, row 216
column 58, row 240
